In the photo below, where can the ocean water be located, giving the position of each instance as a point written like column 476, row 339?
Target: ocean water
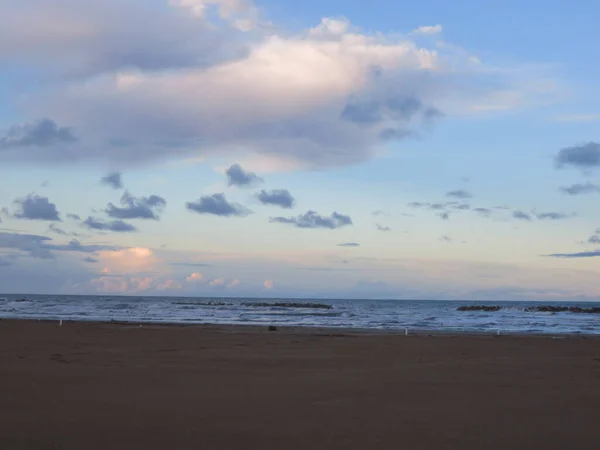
column 418, row 315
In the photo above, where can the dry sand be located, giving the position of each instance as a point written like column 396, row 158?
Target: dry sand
column 113, row 386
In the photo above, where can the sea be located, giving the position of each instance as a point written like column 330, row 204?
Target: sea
column 386, row 315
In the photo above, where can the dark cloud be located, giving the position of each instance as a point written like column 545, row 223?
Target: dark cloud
column 110, row 42
column 217, row 205
column 73, row 217
column 349, row 244
column 485, row 212
column 117, row 226
column 89, row 259
column 595, row 239
column 446, row 239
column 552, row 216
column 585, row 156
column 372, row 111
column 56, row 229
column 432, row 113
column 190, row 264
column 113, row 180
column 40, row 133
column 461, row 206
column 577, row 189
column 278, row 197
column 459, row 193
column 379, row 212
column 137, row 207
column 236, row 176
column 42, row 247
column 311, row 219
column 520, row 215
column 75, row 246
column 591, row 254
column 381, row 227
column 444, row 216
column 35, row 207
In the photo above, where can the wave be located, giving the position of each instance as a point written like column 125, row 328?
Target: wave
column 287, row 305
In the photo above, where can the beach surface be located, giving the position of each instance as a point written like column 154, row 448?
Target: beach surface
column 122, row 386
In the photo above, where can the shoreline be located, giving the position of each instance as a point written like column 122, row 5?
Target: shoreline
column 296, row 329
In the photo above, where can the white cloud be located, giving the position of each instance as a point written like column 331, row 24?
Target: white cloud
column 194, row 277
column 428, row 30
column 282, row 103
column 242, row 14
column 128, row 261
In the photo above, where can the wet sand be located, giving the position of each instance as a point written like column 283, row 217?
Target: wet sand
column 115, row 386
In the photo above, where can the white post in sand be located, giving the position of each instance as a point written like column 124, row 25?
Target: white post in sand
column 406, row 332
column 498, row 332
column 60, row 323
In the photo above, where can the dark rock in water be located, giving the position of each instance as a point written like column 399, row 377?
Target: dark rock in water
column 478, row 308
column 23, row 300
column 287, row 305
column 540, row 308
column 272, row 328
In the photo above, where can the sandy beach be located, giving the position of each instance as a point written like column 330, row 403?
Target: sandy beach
column 117, row 386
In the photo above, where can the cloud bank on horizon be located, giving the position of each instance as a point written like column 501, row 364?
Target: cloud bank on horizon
column 207, row 134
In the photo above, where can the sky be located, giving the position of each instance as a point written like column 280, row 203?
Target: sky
column 314, row 149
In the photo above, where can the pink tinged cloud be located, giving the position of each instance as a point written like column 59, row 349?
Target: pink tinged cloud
column 194, row 277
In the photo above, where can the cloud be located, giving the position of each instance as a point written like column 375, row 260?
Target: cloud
column 595, row 239
column 311, row 219
column 580, row 188
column 42, row 247
column 194, row 277
column 190, row 264
column 74, row 217
column 217, row 205
column 380, row 212
column 381, row 227
column 278, row 197
column 446, row 239
column 40, row 133
column 586, row 156
column 428, row 30
column 520, row 215
column 113, row 180
column 269, row 284
column 133, row 260
column 236, row 176
column 111, row 225
column 35, row 207
column 460, row 193
column 591, row 254
column 485, row 212
column 241, row 14
column 444, row 216
column 173, row 83
column 349, row 244
column 552, row 216
column 373, row 111
column 89, row 259
column 56, row 229
column 78, row 40
column 137, row 207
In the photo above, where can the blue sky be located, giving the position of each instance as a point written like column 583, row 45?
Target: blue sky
column 300, row 149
